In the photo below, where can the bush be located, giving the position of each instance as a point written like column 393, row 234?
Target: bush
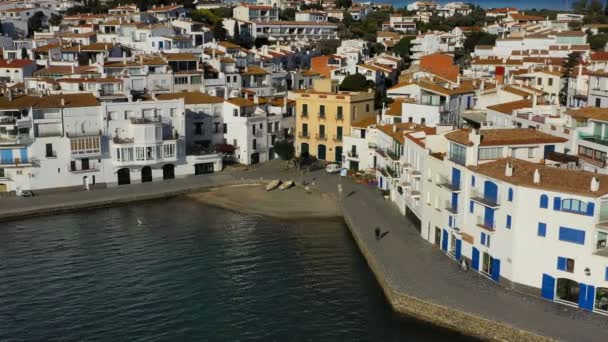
column 354, row 82
column 284, row 149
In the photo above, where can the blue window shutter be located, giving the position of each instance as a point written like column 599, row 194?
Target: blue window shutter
column 557, row 203
column 458, row 251
column 606, row 277
column 471, row 206
column 561, row 263
column 450, row 221
column 23, row 156
column 444, row 241
column 544, row 201
column 483, row 238
column 547, row 290
column 495, row 270
column 590, row 208
column 542, row 229
column 509, row 221
column 510, row 195
column 582, row 295
column 475, row 259
column 572, row 235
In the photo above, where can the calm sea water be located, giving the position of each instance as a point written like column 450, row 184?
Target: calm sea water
column 521, row 4
column 190, row 273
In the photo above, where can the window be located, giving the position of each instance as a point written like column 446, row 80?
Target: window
column 550, row 80
column 485, row 239
column 339, row 114
column 49, row 151
column 471, row 206
column 216, row 127
column 544, row 201
column 304, row 129
column 508, row 224
column 339, row 133
column 598, row 102
column 490, row 153
column 168, row 151
column 198, row 128
column 457, row 153
column 255, row 144
column 472, row 180
column 196, row 80
column 510, row 195
column 574, row 205
column 235, row 112
column 367, row 108
column 181, row 80
column 321, row 131
column 539, row 81
column 225, row 128
column 565, row 264
column 139, row 153
column 572, row 235
column 542, row 229
column 363, row 134
column 322, row 111
column 305, row 109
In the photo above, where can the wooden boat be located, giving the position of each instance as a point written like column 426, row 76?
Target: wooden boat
column 286, row 185
column 273, row 185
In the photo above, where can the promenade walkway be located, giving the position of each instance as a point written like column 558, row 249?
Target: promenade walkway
column 409, row 265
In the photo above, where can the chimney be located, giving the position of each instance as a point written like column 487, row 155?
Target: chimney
column 536, row 177
column 595, row 184
column 62, row 102
column 508, row 169
column 225, row 93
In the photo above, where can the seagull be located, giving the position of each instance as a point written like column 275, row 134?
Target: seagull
column 139, row 223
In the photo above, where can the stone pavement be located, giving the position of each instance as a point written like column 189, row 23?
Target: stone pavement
column 410, row 265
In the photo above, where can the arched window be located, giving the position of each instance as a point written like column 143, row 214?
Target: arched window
column 574, row 205
column 544, row 201
column 510, row 195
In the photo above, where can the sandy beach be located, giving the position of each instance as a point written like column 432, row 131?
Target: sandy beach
column 293, row 203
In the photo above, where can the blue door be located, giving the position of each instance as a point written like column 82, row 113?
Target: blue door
column 475, row 259
column 547, row 290
column 456, row 177
column 548, row 149
column 380, row 182
column 488, row 217
column 23, row 152
column 490, row 191
column 444, row 241
column 458, row 252
column 454, row 201
column 586, row 296
column 495, row 269
column 6, row 156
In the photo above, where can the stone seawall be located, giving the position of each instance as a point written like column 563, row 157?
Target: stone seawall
column 439, row 315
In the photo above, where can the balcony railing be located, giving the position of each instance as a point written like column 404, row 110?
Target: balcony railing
column 392, row 154
column 139, row 121
column 447, row 184
column 449, row 206
column 321, row 136
column 353, row 154
column 595, row 139
column 392, row 172
column 94, row 167
column 487, row 225
column 484, row 200
column 304, row 135
column 337, row 138
column 304, row 115
column 21, row 139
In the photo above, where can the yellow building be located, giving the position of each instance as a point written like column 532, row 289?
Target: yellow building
column 324, row 114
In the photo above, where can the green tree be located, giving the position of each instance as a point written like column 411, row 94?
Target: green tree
column 355, row 82
column 284, row 149
column 24, row 53
column 579, row 6
column 343, row 3
column 328, row 46
column 288, row 14
column 568, row 65
column 261, row 41
column 236, row 32
column 402, row 48
column 55, row 19
column 594, row 8
column 598, row 41
column 35, row 22
column 478, row 38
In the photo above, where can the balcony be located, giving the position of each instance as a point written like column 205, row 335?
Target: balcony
column 321, row 116
column 17, row 162
column 449, row 206
column 596, row 139
column 393, row 155
column 391, row 172
column 142, row 121
column 93, row 167
column 304, row 115
column 337, row 138
column 21, row 139
column 484, row 200
column 321, row 136
column 352, row 154
column 339, row 117
column 447, row 184
column 487, row 225
column 304, row 135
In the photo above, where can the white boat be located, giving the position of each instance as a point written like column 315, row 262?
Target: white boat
column 286, row 185
column 273, row 185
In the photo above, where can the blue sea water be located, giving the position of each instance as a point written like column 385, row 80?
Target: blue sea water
column 520, row 4
column 190, row 273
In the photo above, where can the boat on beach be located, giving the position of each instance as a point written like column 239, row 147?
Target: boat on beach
column 273, row 184
column 286, row 185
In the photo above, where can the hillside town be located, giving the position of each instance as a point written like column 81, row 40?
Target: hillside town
column 486, row 127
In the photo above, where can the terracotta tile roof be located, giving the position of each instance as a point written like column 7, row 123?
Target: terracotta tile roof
column 364, row 123
column 279, row 101
column 524, row 17
column 505, row 136
column 594, row 113
column 164, row 8
column 90, row 80
column 394, row 108
column 599, row 56
column 191, row 97
column 464, row 88
column 509, row 107
column 49, row 101
column 397, row 131
column 65, row 70
column 516, row 91
column 47, row 47
column 85, row 48
column 241, row 102
column 571, row 34
column 254, row 70
column 16, row 63
column 399, row 85
column 228, row 45
column 180, row 57
column 574, row 182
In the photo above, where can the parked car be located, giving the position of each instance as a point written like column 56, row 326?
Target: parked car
column 332, row 168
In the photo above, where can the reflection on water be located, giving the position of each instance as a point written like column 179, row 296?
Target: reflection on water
column 189, row 272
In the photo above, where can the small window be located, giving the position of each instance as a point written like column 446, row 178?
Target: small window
column 472, row 180
column 471, row 206
column 544, row 201
column 367, row 108
column 542, row 229
column 508, row 222
column 565, row 264
column 539, row 81
column 510, row 195
column 550, row 81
